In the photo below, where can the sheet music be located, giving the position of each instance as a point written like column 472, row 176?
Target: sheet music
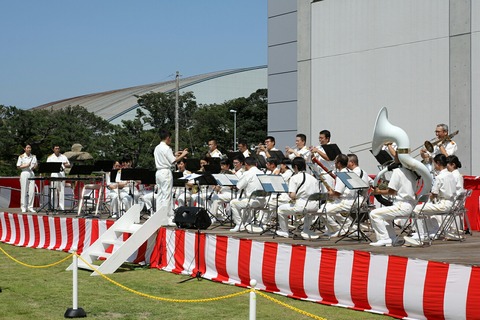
column 273, row 183
column 222, row 179
column 233, row 178
column 352, row 180
column 190, row 176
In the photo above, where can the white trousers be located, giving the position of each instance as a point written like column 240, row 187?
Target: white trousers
column 27, row 190
column 334, row 211
column 239, row 206
column 382, row 218
column 434, row 219
column 164, row 180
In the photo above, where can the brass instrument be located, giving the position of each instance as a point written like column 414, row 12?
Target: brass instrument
column 429, row 145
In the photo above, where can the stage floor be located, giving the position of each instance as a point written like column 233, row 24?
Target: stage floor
column 454, row 252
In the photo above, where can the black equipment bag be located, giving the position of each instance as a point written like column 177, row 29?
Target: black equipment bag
column 192, row 218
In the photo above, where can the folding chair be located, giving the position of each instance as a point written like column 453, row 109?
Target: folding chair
column 89, row 196
column 454, row 218
column 412, row 220
column 307, row 213
column 358, row 214
column 249, row 218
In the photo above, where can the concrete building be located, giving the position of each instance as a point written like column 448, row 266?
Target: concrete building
column 333, row 64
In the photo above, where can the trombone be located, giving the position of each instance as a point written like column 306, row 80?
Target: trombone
column 369, row 143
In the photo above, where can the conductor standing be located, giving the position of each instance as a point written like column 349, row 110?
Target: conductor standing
column 164, row 160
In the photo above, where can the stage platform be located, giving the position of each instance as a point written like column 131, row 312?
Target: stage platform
column 447, row 251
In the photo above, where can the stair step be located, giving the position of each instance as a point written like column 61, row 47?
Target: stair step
column 99, row 254
column 115, row 242
column 130, row 229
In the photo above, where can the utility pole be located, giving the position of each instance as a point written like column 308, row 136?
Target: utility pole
column 177, row 84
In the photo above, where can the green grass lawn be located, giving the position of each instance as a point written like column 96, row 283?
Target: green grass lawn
column 46, row 293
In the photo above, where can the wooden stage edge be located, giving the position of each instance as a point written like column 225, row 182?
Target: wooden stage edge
column 447, row 251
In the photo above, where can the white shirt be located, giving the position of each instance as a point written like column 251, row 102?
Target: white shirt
column 264, row 154
column 249, row 181
column 216, row 154
column 287, row 175
column 163, row 155
column 404, row 182
column 445, row 185
column 309, row 187
column 304, row 152
column 364, row 176
column 450, row 148
column 60, row 158
column 459, row 179
column 330, row 165
column 24, row 159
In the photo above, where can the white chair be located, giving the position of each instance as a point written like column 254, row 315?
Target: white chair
column 412, row 220
column 455, row 218
column 89, row 195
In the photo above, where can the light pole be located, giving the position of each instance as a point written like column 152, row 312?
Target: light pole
column 234, row 129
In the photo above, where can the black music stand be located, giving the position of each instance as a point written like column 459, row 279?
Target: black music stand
column 179, row 182
column 147, row 177
column 131, row 174
column 331, row 150
column 225, row 180
column 235, row 154
column 272, row 183
column 261, row 162
column 49, row 167
column 277, row 154
column 213, row 166
column 383, row 157
column 103, row 165
column 353, row 182
column 205, row 179
column 192, row 165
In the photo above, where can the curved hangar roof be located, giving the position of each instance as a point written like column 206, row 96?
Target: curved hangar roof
column 214, row 87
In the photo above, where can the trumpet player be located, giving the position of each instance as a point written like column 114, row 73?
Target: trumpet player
column 319, row 153
column 300, row 149
column 27, row 162
column 444, row 145
column 264, row 149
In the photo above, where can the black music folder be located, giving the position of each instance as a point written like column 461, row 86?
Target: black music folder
column 192, row 165
column 331, row 150
column 81, row 169
column 103, row 165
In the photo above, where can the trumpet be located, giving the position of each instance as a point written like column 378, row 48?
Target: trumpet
column 429, row 145
column 256, row 147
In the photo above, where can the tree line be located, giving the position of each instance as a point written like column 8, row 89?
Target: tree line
column 136, row 138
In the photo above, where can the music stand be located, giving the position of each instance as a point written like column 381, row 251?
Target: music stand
column 261, row 161
column 235, row 154
column 383, row 157
column 192, row 165
column 205, row 179
column 103, row 165
column 226, row 180
column 277, row 154
column 353, row 182
column 213, row 166
column 331, row 150
column 49, row 167
column 81, row 169
column 272, row 183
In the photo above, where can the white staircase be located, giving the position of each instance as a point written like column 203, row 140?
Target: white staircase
column 122, row 250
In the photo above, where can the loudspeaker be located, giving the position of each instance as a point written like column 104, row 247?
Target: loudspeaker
column 192, row 218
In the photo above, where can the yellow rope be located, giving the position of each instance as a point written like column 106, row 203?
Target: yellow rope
column 305, row 313
column 37, row 267
column 160, row 298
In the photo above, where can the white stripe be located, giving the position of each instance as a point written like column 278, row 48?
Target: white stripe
column 21, row 230
column 311, row 273
column 377, row 279
column 51, row 230
column 14, row 231
column 456, row 291
column 3, row 225
column 41, row 232
column 256, row 263
column 343, row 278
column 170, row 246
column 233, row 250
column 76, row 234
column 31, row 233
column 88, row 235
column 414, row 287
column 64, row 233
column 189, row 262
column 210, row 254
column 282, row 268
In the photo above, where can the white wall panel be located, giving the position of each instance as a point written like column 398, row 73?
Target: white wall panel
column 344, row 26
column 475, row 15
column 476, row 101
column 410, row 80
column 282, row 29
column 282, row 58
column 279, row 7
column 282, row 87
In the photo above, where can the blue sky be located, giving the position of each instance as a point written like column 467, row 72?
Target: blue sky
column 56, row 49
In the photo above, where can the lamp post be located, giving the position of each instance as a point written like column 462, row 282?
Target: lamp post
column 234, row 129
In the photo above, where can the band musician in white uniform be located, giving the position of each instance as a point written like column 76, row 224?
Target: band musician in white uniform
column 300, row 150
column 402, row 185
column 319, row 153
column 59, row 186
column 164, row 160
column 300, row 187
column 27, row 162
column 441, row 201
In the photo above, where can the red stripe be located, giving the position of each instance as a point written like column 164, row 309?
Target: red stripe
column 326, row 277
column 200, row 265
column 270, row 251
column 221, row 258
column 434, row 290
column 94, row 233
column 26, row 226
column 46, row 231
column 179, row 255
column 82, row 227
column 70, row 234
column 395, row 284
column 157, row 259
column 58, row 233
column 297, row 270
column 473, row 294
column 141, row 253
column 244, row 256
column 16, row 222
column 36, row 231
column 359, row 281
column 8, row 231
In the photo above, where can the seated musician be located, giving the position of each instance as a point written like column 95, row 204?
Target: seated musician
column 183, row 194
column 213, row 152
column 402, row 186
column 319, row 153
column 341, row 202
column 453, row 164
column 221, row 194
column 444, row 146
column 300, row 187
column 441, row 201
column 125, row 188
column 238, row 163
column 300, row 150
column 264, row 149
column 112, row 192
column 243, row 147
column 353, row 166
column 246, row 185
